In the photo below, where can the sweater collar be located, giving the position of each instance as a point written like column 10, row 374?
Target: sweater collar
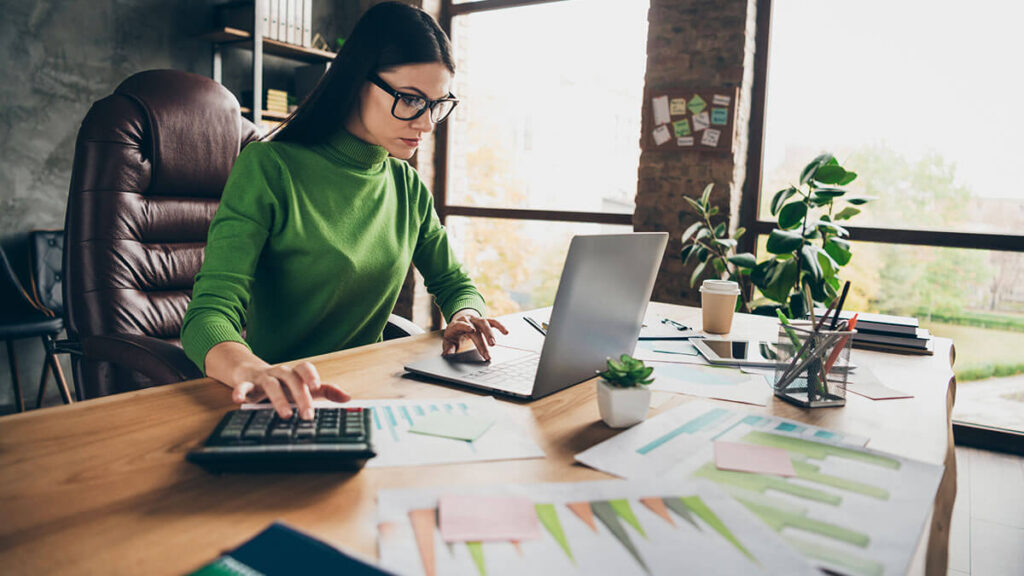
column 357, row 152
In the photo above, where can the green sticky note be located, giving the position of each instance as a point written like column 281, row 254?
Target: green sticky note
column 682, row 127
column 720, row 116
column 451, row 425
column 697, row 104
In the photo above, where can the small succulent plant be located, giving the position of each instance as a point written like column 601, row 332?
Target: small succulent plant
column 627, row 372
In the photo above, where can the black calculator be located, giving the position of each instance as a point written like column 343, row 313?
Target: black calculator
column 261, row 441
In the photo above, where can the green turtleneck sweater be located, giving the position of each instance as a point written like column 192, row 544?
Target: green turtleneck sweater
column 310, row 247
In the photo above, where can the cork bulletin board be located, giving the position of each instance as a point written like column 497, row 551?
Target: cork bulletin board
column 690, row 120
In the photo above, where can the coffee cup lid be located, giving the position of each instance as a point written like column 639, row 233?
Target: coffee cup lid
column 720, row 287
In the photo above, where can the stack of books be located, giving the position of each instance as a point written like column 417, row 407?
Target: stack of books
column 889, row 333
column 277, row 101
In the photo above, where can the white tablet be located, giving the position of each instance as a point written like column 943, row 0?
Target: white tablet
column 737, row 352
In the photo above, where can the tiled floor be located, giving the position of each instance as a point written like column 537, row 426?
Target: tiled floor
column 987, row 533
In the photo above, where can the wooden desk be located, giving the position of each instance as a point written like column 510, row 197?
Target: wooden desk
column 103, row 487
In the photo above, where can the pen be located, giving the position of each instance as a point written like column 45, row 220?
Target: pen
column 675, row 324
column 839, row 308
column 536, row 325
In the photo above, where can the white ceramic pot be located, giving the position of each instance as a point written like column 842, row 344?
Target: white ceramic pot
column 622, row 407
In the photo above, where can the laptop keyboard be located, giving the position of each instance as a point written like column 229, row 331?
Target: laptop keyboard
column 521, row 371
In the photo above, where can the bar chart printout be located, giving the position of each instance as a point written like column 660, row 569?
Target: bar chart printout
column 509, row 438
column 606, row 527
column 847, row 508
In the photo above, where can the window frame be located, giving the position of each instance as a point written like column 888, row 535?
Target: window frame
column 965, row 433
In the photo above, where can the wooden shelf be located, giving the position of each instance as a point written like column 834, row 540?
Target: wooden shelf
column 274, row 47
column 266, row 114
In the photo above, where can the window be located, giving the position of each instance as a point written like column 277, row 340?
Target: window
column 916, row 98
column 548, row 131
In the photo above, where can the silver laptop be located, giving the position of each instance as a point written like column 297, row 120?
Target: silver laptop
column 598, row 311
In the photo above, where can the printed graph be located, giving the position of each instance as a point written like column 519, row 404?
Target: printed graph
column 588, row 530
column 849, row 509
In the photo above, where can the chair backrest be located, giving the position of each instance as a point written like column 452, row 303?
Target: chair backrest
column 46, row 248
column 16, row 300
column 151, row 161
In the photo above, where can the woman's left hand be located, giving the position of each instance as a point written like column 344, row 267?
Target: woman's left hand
column 469, row 324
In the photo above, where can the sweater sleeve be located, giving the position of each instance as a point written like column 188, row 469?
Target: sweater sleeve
column 443, row 275
column 222, row 289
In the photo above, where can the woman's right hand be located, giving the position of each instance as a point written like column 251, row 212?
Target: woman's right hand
column 252, row 380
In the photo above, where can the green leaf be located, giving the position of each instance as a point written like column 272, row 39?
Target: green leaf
column 781, row 242
column 818, row 287
column 819, row 201
column 830, row 192
column 850, row 177
column 839, row 250
column 720, row 230
column 713, row 211
column 703, row 254
column 782, row 282
column 828, row 265
column 792, row 215
column 691, row 230
column 858, row 200
column 809, row 257
column 707, row 194
column 833, row 228
column 686, row 253
column 696, row 273
column 739, row 233
column 847, row 213
column 808, row 171
column 780, row 198
column 726, row 242
column 745, row 260
column 696, row 205
column 829, row 174
column 719, row 265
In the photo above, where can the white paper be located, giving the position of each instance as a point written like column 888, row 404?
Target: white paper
column 396, row 446
column 701, row 121
column 735, row 387
column 881, row 509
column 662, row 135
column 663, row 546
column 684, row 141
column 710, row 137
column 720, row 100
column 661, row 115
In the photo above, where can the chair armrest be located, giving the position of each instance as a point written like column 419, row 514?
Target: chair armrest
column 398, row 327
column 161, row 362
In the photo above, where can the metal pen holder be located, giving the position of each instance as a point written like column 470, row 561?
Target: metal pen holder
column 813, row 365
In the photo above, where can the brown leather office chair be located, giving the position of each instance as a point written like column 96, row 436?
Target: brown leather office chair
column 150, row 164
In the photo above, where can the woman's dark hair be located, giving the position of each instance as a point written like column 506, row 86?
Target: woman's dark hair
column 389, row 34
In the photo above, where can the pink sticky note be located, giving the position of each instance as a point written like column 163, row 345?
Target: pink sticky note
column 484, row 518
column 752, row 458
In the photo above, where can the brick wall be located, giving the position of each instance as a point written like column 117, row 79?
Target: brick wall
column 704, row 44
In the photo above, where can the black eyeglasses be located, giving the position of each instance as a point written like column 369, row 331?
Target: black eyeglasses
column 412, row 106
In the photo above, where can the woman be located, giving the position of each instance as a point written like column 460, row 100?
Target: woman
column 317, row 228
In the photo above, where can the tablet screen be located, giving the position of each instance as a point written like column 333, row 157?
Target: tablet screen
column 741, row 349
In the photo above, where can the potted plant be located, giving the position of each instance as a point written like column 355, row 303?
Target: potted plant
column 623, row 395
column 806, row 249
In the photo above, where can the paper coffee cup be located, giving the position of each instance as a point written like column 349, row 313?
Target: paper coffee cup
column 717, row 303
